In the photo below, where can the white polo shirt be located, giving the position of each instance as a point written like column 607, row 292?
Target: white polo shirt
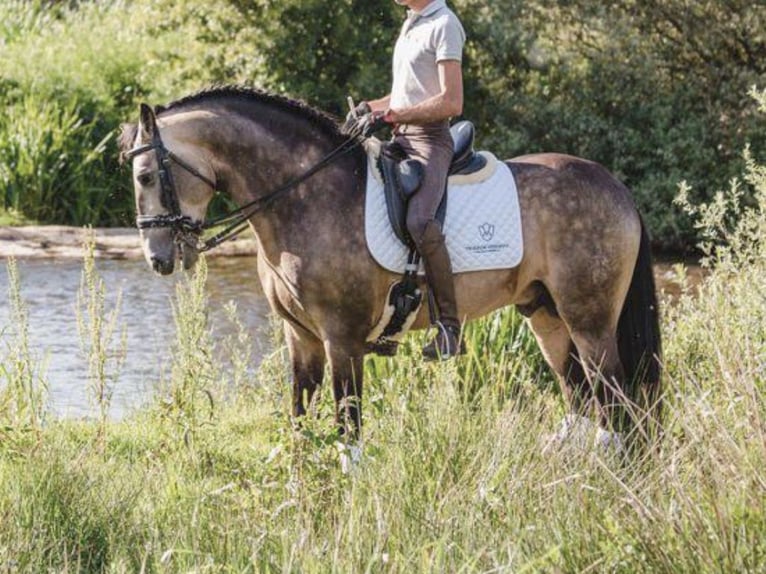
column 427, row 37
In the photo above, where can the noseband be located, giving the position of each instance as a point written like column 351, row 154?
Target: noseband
column 188, row 231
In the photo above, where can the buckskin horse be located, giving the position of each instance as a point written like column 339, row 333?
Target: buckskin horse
column 585, row 281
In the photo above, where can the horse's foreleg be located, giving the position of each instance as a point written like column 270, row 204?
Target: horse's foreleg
column 308, row 360
column 346, row 370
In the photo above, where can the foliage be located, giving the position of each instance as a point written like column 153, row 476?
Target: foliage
column 23, row 387
column 48, row 162
column 68, row 82
column 653, row 90
column 622, row 87
column 98, row 328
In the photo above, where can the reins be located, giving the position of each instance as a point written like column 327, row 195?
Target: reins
column 235, row 222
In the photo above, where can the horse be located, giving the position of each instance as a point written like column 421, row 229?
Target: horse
column 584, row 283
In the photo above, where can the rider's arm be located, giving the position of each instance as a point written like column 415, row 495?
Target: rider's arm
column 446, row 104
column 381, row 104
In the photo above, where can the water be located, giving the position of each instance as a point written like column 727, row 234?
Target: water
column 49, row 289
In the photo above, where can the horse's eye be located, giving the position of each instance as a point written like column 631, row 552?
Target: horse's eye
column 145, row 179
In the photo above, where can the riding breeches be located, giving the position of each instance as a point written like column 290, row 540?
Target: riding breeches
column 431, row 145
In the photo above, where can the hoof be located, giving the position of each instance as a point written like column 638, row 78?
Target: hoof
column 350, row 456
column 583, row 434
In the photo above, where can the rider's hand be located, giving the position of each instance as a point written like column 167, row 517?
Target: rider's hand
column 367, row 125
column 363, row 108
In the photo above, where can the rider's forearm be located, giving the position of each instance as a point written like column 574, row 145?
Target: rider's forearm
column 434, row 109
column 381, row 104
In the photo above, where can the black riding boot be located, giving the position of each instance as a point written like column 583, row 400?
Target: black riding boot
column 448, row 341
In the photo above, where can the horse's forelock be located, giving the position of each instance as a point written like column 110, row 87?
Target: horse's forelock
column 126, row 138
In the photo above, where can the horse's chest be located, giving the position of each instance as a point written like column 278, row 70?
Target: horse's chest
column 281, row 287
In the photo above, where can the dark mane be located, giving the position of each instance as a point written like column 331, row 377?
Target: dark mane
column 317, row 117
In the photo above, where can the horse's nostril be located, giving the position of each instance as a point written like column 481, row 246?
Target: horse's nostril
column 162, row 266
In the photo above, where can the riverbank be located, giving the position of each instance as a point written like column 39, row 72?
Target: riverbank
column 61, row 241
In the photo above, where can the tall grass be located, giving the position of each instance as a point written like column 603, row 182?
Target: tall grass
column 70, row 73
column 453, row 477
column 49, row 154
column 23, row 387
column 99, row 329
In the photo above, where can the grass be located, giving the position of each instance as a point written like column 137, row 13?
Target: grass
column 70, row 73
column 11, row 218
column 98, row 328
column 453, row 477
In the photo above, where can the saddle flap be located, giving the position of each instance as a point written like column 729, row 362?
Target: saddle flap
column 396, row 198
column 402, row 179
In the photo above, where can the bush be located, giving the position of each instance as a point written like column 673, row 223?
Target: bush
column 655, row 103
column 70, row 76
column 49, row 157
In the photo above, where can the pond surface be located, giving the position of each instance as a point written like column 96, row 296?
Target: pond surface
column 49, row 289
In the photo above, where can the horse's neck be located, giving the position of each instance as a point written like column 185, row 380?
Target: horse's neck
column 273, row 153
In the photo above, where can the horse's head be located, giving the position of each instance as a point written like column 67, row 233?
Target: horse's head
column 173, row 184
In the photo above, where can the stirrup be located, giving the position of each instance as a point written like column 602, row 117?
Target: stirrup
column 447, row 343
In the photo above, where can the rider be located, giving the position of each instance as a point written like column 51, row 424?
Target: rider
column 427, row 91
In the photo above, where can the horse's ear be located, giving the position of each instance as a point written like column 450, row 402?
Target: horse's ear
column 148, row 122
column 126, row 139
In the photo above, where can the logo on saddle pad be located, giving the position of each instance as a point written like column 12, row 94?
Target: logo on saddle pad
column 487, row 231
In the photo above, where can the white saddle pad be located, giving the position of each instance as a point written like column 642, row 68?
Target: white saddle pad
column 482, row 224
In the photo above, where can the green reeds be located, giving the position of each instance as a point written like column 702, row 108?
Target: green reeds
column 49, row 154
column 102, row 341
column 23, row 387
column 195, row 376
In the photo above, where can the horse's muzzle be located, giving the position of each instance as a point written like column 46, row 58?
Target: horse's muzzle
column 162, row 266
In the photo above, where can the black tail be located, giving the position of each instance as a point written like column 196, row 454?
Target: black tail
column 638, row 336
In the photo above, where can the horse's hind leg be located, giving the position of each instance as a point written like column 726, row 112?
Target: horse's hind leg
column 308, row 359
column 588, row 367
column 588, row 357
column 599, row 356
column 557, row 347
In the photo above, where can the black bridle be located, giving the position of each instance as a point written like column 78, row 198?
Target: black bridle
column 187, row 230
